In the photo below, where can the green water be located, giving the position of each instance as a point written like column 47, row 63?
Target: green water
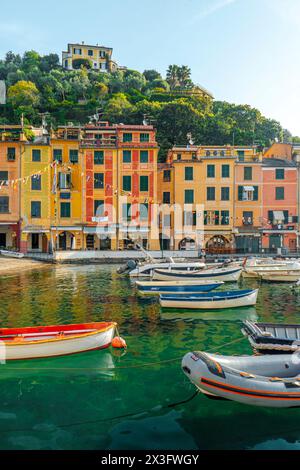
column 82, row 401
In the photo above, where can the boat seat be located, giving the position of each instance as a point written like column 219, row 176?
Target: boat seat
column 246, row 375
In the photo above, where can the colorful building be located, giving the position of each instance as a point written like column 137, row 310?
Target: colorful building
column 12, row 139
column 200, row 181
column 35, row 196
column 67, row 189
column 248, row 208
column 100, row 57
column 279, row 225
column 120, row 166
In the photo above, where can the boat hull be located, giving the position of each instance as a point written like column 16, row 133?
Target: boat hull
column 209, row 374
column 58, row 345
column 212, row 303
column 178, row 287
column 281, row 277
column 147, row 270
column 222, row 274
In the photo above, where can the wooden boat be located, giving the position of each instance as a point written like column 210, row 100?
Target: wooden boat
column 281, row 268
column 268, row 338
column 58, row 340
column 178, row 287
column 282, row 276
column 211, row 301
column 272, row 381
column 216, row 274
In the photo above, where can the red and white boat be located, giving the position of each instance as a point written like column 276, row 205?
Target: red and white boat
column 57, row 340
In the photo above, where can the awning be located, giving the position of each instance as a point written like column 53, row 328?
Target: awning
column 248, row 188
column 278, row 216
column 98, row 230
column 67, row 228
column 34, row 230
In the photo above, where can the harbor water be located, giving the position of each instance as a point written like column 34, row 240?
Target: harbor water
column 138, row 399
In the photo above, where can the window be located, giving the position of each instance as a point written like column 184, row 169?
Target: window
column 98, row 180
column 36, row 155
column 241, row 155
column 248, row 173
column 190, row 218
column 4, row 178
column 98, row 157
column 102, row 54
column 225, row 194
column 35, row 209
column 90, row 52
column 126, row 156
column 248, row 218
column 248, row 193
column 224, row 217
column 280, row 173
column 211, row 217
column 210, row 171
column 4, row 204
column 11, row 154
column 65, row 196
column 126, row 212
column 279, row 194
column 73, row 155
column 64, row 180
column 211, row 193
column 189, row 196
column 144, row 210
column 65, row 209
column 35, row 241
column 144, row 184
column 167, row 220
column 57, row 155
column 166, row 198
column 99, row 208
column 189, row 173
column 36, row 182
column 167, row 176
column 77, row 51
column 225, row 171
column 144, row 156
column 178, row 157
column 144, row 137
column 127, row 137
column 127, row 183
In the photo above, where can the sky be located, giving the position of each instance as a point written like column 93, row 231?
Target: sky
column 243, row 51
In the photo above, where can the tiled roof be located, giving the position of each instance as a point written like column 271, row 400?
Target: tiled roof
column 278, row 163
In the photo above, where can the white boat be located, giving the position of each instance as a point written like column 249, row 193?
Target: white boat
column 11, row 254
column 58, row 340
column 282, row 276
column 178, row 287
column 253, row 269
column 211, row 301
column 229, row 274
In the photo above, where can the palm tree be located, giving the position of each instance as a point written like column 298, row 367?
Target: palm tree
column 172, row 76
column 184, row 76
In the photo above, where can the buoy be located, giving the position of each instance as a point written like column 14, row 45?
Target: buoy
column 119, row 343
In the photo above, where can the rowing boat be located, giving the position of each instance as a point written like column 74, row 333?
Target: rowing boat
column 211, row 301
column 215, row 274
column 58, row 340
column 253, row 380
column 269, row 338
column 178, row 287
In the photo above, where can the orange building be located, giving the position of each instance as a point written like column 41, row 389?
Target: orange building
column 12, row 139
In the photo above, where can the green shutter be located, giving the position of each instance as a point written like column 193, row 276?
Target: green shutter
column 255, row 193
column 240, row 193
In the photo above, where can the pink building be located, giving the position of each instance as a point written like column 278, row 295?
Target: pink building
column 279, row 200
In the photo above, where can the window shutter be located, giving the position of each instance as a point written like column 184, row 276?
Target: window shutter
column 240, row 192
column 255, row 194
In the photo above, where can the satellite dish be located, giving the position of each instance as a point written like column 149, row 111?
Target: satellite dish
column 2, row 92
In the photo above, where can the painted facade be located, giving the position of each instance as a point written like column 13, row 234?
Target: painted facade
column 100, row 57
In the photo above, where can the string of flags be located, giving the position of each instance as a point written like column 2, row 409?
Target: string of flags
column 13, row 183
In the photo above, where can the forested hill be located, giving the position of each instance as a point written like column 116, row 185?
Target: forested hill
column 38, row 84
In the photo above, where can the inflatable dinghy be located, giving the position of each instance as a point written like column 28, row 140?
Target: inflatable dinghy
column 270, row 380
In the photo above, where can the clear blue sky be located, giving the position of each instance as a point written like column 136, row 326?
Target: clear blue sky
column 243, row 51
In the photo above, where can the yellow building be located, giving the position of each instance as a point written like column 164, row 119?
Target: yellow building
column 100, row 57
column 35, row 189
column 67, row 188
column 199, row 180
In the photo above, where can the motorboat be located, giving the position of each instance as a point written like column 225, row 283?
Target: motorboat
column 272, row 338
column 11, row 254
column 228, row 274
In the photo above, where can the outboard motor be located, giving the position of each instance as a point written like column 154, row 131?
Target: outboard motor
column 129, row 266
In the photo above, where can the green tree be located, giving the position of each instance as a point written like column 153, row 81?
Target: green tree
column 23, row 93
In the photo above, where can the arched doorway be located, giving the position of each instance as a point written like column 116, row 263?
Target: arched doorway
column 187, row 244
column 218, row 244
column 66, row 241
